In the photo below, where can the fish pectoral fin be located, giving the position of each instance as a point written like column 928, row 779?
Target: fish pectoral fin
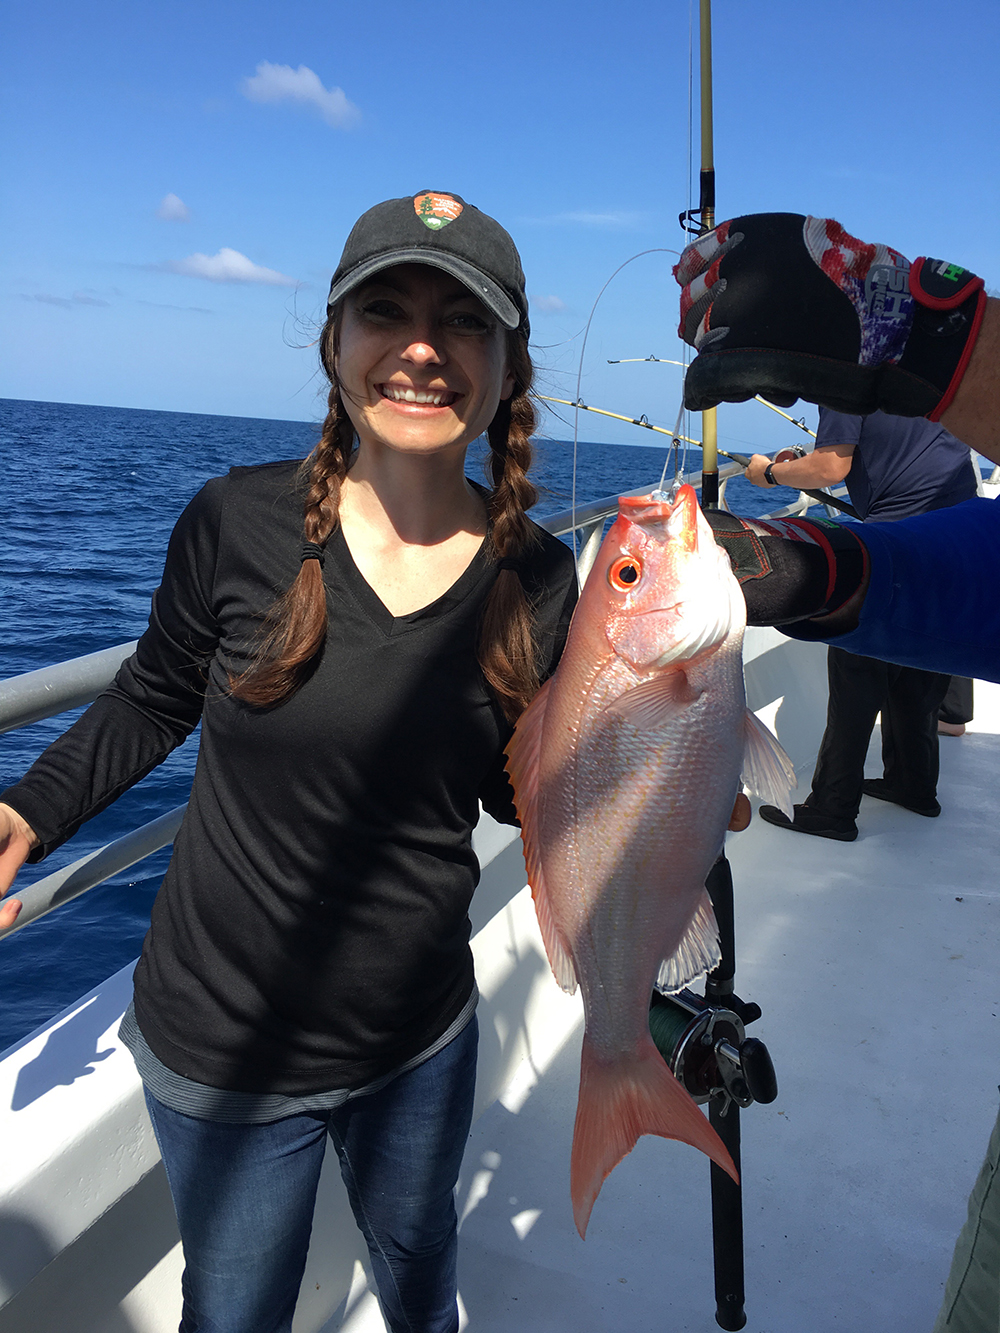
column 767, row 770
column 697, row 953
column 523, row 754
column 558, row 954
column 656, row 702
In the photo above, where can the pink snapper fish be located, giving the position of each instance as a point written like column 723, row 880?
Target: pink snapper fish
column 625, row 768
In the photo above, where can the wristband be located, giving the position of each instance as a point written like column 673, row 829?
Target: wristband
column 769, row 475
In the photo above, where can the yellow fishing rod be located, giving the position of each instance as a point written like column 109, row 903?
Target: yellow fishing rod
column 666, row 361
column 823, row 497
column 632, row 421
column 709, row 422
column 724, row 1110
column 699, row 221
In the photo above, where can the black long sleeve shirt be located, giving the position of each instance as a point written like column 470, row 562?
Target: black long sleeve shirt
column 312, row 928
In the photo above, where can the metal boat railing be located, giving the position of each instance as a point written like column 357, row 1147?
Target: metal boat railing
column 66, row 685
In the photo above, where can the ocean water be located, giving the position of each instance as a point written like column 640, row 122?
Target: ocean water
column 90, row 497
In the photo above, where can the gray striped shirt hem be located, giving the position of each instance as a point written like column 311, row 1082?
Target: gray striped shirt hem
column 259, row 1108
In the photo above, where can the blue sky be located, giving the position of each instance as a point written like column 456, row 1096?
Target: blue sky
column 567, row 122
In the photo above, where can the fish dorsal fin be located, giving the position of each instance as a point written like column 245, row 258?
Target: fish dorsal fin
column 767, row 770
column 657, row 702
column 697, row 953
column 523, row 754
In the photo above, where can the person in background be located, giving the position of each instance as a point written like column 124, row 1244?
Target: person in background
column 796, row 307
column 956, row 709
column 893, row 467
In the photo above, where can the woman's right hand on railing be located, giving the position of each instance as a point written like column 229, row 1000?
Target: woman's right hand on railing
column 17, row 838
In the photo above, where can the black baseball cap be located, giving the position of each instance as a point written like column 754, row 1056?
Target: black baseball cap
column 442, row 230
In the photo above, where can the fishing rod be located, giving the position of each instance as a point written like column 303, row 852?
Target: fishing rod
column 823, row 497
column 723, row 1111
column 699, row 221
column 632, row 421
column 733, row 1085
column 666, row 361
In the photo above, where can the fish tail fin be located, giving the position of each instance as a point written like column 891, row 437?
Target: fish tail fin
column 620, row 1100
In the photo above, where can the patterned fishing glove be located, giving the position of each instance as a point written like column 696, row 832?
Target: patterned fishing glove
column 790, row 568
column 793, row 307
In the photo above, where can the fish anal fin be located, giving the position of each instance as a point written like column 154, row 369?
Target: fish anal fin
column 620, row 1100
column 697, row 953
column 657, row 702
column 767, row 770
column 523, row 758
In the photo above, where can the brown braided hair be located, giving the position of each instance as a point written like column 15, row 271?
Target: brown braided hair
column 507, row 649
column 289, row 650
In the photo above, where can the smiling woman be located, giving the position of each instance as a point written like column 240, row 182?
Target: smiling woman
column 428, row 301
column 307, row 971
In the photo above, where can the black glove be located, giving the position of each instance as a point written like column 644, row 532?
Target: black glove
column 790, row 568
column 793, row 307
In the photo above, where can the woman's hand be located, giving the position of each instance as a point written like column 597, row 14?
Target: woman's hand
column 17, row 838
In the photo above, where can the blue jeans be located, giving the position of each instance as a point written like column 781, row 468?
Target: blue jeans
column 244, row 1197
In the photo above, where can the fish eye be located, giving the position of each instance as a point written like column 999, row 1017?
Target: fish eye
column 625, row 573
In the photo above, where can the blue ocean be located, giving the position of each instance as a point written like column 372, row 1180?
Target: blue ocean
column 90, row 497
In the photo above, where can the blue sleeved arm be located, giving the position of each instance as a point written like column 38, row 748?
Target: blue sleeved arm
column 933, row 600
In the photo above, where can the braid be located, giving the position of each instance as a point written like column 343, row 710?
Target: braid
column 507, row 651
column 298, row 618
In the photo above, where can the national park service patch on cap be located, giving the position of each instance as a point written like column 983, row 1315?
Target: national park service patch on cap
column 436, row 210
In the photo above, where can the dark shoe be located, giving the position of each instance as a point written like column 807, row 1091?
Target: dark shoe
column 812, row 821
column 876, row 787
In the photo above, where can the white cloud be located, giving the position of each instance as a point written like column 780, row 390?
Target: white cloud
column 172, row 209
column 166, row 305
column 227, row 266
column 281, row 83
column 547, row 305
column 78, row 298
column 583, row 219
column 600, row 219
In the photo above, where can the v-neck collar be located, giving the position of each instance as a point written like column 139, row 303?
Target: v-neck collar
column 350, row 577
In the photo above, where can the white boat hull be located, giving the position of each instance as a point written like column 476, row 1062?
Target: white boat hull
column 879, row 998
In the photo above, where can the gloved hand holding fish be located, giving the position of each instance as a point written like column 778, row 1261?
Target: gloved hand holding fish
column 625, row 769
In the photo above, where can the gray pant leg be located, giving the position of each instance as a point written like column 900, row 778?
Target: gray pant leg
column 972, row 1292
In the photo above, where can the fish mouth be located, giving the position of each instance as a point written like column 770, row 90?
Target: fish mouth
column 663, row 520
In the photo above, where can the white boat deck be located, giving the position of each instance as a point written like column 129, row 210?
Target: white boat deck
column 875, row 963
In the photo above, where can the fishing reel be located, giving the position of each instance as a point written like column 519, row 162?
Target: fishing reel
column 705, row 1044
